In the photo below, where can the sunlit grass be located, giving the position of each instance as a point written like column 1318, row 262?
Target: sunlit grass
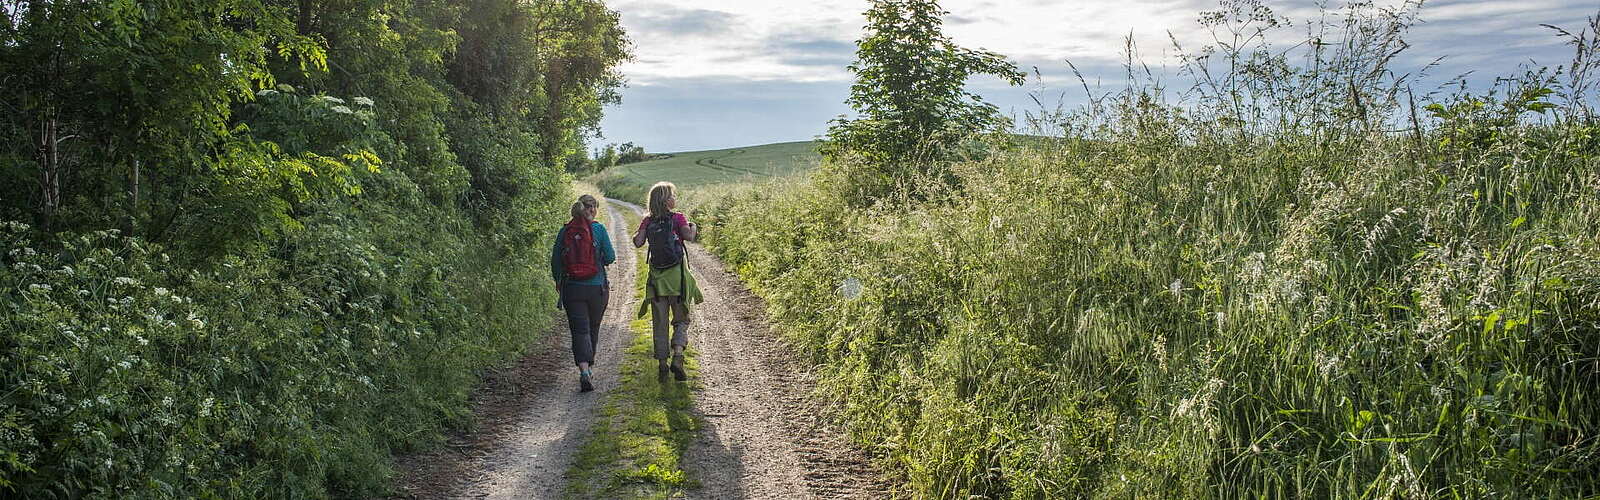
column 638, row 442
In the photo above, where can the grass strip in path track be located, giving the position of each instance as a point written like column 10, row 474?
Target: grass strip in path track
column 637, row 443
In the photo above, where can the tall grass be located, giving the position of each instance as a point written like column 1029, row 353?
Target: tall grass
column 1270, row 284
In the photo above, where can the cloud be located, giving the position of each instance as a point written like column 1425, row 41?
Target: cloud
column 669, row 20
column 698, row 60
column 808, row 49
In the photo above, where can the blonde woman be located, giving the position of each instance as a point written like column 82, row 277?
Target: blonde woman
column 670, row 288
column 578, row 265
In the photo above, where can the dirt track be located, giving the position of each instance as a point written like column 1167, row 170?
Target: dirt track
column 763, row 436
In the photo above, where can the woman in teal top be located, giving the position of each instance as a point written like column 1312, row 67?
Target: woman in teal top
column 584, row 299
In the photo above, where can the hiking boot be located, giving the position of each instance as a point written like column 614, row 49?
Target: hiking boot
column 677, row 368
column 661, row 370
column 583, row 383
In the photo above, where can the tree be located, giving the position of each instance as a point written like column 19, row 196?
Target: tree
column 910, row 92
column 606, row 157
column 629, row 153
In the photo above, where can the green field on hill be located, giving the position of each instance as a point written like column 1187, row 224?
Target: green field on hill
column 692, row 169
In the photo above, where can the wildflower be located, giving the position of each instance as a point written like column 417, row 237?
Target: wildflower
column 125, row 281
column 363, row 101
column 24, row 252
column 124, row 364
column 102, row 400
column 1176, row 287
column 205, row 407
column 851, row 288
column 1327, row 364
column 162, row 291
column 80, row 428
column 83, row 293
column 1255, row 266
column 342, row 110
column 332, row 99
column 141, row 340
column 166, row 401
column 39, row 287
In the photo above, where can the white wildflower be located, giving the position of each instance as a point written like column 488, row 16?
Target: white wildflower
column 102, row 400
column 1328, row 365
column 363, row 101
column 851, row 288
column 166, row 401
column 333, row 99
column 1255, row 266
column 1176, row 287
column 342, row 110
column 125, row 364
column 141, row 340
column 162, row 292
column 67, row 271
column 39, row 287
column 23, row 252
column 205, row 407
column 195, row 320
column 125, row 281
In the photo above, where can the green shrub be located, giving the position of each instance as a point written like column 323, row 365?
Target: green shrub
column 289, row 377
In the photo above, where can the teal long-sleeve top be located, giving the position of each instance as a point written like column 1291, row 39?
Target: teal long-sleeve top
column 605, row 255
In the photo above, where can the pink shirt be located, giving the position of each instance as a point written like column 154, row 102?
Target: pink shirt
column 678, row 222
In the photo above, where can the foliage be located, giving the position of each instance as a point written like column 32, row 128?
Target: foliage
column 1206, row 301
column 910, row 90
column 225, row 291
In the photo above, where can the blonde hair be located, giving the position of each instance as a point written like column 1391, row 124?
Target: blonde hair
column 584, row 202
column 659, row 194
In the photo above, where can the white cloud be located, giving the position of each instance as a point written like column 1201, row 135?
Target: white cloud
column 761, row 45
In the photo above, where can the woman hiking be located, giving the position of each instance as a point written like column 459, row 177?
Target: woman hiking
column 578, row 264
column 670, row 289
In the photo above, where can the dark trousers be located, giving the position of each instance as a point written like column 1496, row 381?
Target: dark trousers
column 585, row 304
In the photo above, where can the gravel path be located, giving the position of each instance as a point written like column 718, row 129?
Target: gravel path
column 763, row 437
column 533, row 419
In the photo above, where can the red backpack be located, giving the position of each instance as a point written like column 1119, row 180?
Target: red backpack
column 577, row 250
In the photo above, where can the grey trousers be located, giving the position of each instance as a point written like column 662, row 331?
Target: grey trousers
column 660, row 309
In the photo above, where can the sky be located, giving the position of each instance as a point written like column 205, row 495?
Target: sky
column 711, row 74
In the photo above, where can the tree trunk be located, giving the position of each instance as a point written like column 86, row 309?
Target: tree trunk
column 47, row 154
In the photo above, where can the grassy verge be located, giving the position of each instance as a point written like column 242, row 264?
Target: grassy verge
column 1167, row 303
column 637, row 444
